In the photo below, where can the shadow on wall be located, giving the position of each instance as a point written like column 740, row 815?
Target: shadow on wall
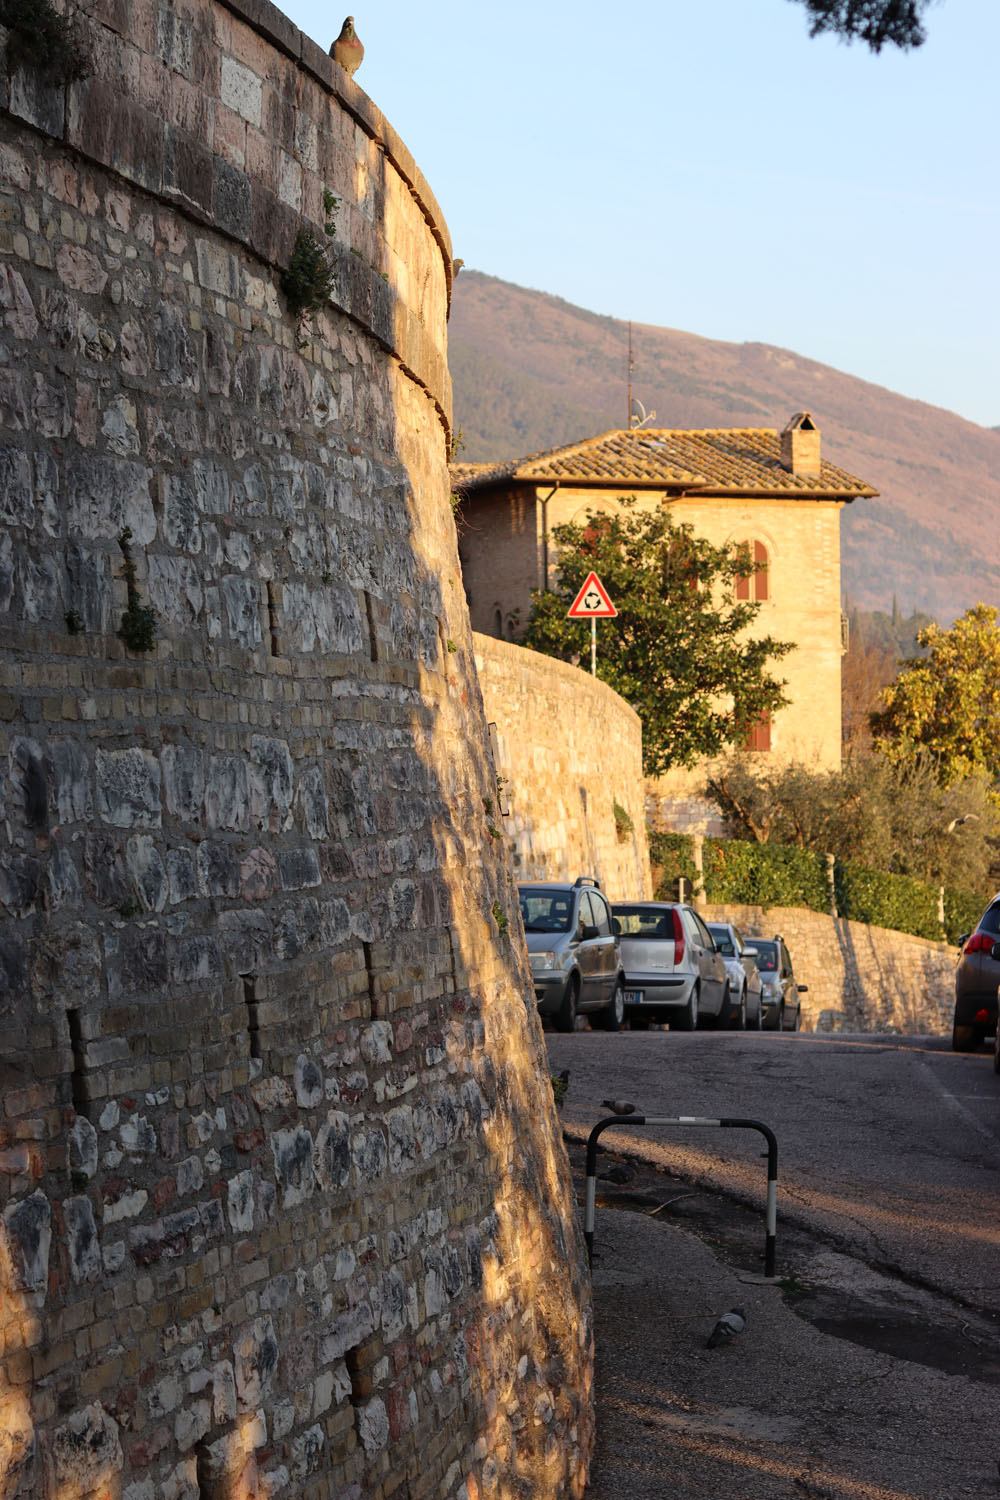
column 272, row 1036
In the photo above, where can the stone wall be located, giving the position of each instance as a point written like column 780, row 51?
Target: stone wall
column 860, row 978
column 284, row 1208
column 570, row 749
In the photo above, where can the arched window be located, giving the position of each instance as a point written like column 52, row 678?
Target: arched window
column 498, row 624
column 754, row 585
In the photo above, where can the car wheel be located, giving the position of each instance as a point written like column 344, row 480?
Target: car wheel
column 687, row 1019
column 613, row 1014
column 790, row 1022
column 965, row 1038
column 565, row 1017
column 758, row 1023
column 739, row 1017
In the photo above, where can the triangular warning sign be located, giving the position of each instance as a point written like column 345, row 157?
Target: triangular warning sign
column 592, row 602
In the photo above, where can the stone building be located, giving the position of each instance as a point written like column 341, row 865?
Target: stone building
column 770, row 492
column 284, row 1206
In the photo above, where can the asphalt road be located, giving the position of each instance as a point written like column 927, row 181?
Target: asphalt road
column 871, row 1370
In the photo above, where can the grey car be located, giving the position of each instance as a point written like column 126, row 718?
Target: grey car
column 976, row 980
column 782, row 1007
column 745, row 984
column 673, row 970
column 573, row 952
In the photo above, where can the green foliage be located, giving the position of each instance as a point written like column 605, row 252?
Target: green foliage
column 671, row 858
column 888, row 816
column 765, row 875
column 877, row 23
column 331, row 207
column 307, row 280
column 560, row 1086
column 74, row 622
column 680, row 650
column 962, row 910
column 948, row 705
column 895, row 901
column 500, row 917
column 623, row 823
column 40, row 38
column 138, row 623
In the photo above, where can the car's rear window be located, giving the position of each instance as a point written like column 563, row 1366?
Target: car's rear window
column 638, row 921
column 990, row 921
column 546, row 911
column 767, row 955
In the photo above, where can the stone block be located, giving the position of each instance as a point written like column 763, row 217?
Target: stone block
column 28, row 1228
column 128, row 788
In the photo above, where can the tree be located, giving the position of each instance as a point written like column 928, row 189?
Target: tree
column 895, row 817
column 875, row 22
column 866, row 672
column 681, row 650
column 948, row 704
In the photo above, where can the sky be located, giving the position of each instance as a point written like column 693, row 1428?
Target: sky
column 705, row 165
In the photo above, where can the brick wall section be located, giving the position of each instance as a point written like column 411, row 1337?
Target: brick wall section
column 284, row 1209
column 570, row 748
column 860, row 978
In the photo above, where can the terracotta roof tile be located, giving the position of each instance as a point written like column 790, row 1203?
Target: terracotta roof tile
column 739, row 459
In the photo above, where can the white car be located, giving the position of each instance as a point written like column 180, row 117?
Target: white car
column 744, row 976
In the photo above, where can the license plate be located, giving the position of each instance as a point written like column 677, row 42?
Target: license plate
column 633, row 997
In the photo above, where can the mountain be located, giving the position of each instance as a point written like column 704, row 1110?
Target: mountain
column 531, row 371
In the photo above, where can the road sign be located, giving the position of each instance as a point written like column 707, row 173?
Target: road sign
column 592, row 602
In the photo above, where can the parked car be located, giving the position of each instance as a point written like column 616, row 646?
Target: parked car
column 976, row 980
column 780, row 993
column 573, row 952
column 745, row 986
column 673, row 970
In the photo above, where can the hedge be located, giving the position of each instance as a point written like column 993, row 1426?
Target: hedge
column 738, row 873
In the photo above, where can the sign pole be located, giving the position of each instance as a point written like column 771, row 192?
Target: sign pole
column 592, row 603
column 593, row 646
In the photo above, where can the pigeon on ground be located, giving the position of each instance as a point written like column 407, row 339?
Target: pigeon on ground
column 618, row 1106
column 729, row 1327
column 347, row 49
column 617, row 1174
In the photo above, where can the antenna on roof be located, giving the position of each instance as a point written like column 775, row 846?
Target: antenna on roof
column 635, row 421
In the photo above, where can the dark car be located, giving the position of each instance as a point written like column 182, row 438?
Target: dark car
column 976, row 980
column 673, row 970
column 573, row 952
column 779, row 991
column 744, row 976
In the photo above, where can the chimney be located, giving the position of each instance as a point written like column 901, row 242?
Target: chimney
column 800, row 446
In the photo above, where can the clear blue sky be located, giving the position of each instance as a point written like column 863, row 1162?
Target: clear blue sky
column 704, row 165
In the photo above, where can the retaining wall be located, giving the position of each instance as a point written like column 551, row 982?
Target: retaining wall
column 860, row 978
column 285, row 1208
column 569, row 749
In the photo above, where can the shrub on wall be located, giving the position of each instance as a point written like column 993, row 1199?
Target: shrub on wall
column 764, row 875
column 897, row 901
column 671, row 858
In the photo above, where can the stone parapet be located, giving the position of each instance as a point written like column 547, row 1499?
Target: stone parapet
column 570, row 753
column 284, row 1206
column 860, row 978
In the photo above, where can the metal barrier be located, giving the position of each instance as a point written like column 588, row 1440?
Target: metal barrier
column 771, row 1218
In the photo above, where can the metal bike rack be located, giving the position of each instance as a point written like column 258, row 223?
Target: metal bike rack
column 695, row 1121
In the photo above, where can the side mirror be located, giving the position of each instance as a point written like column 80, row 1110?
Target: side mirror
column 803, row 989
column 588, row 932
column 963, row 939
column 995, row 951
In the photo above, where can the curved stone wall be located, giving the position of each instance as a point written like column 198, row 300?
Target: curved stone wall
column 570, row 754
column 285, row 1209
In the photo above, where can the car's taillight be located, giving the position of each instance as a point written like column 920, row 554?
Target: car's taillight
column 678, row 937
column 980, row 942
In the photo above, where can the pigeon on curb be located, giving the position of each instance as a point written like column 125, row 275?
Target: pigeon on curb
column 729, row 1327
column 617, row 1174
column 618, row 1106
column 347, row 49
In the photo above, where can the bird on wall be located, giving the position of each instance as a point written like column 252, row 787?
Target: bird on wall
column 347, row 49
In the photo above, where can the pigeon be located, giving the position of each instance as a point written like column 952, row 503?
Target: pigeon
column 617, row 1174
column 729, row 1326
column 347, row 49
column 618, row 1106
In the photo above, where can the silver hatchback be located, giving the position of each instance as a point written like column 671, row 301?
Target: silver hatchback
column 673, row 970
